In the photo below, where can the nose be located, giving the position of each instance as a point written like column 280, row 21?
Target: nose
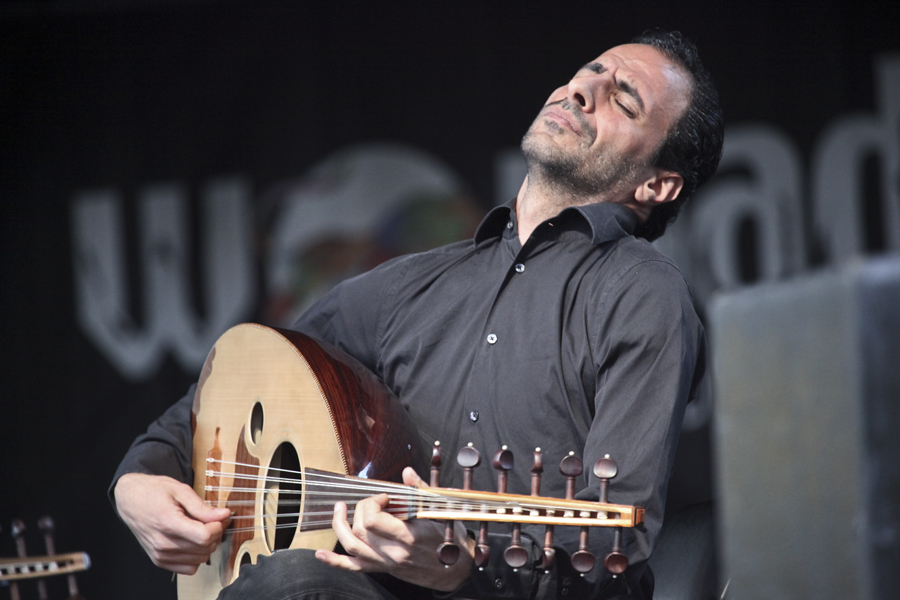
column 586, row 90
column 581, row 94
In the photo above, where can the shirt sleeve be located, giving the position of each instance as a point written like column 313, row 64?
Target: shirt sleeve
column 650, row 351
column 165, row 449
column 349, row 316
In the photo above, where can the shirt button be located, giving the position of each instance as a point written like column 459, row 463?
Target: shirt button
column 491, row 338
column 520, row 268
column 473, row 416
column 509, row 224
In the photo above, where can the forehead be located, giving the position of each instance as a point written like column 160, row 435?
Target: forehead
column 663, row 81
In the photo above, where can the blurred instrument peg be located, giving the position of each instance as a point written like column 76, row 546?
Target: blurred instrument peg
column 605, row 469
column 17, row 530
column 436, row 465
column 13, row 586
column 572, row 467
column 536, row 469
column 18, row 533
column 47, row 526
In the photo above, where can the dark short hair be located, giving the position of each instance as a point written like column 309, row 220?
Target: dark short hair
column 693, row 146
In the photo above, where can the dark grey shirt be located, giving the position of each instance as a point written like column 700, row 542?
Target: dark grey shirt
column 585, row 339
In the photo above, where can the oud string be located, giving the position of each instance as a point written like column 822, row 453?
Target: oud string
column 322, row 486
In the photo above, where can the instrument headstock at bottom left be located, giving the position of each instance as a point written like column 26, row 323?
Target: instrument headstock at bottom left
column 14, row 571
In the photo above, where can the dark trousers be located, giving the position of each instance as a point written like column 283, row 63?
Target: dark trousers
column 296, row 574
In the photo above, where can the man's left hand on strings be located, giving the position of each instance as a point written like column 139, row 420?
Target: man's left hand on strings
column 377, row 542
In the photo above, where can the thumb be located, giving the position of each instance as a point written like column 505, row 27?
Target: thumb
column 410, row 477
column 195, row 507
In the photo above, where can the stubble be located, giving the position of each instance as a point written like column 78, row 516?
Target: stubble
column 579, row 170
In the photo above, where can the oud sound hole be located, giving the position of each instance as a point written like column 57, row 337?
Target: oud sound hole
column 257, row 419
column 281, row 512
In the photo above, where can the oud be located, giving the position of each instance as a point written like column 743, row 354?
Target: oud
column 284, row 427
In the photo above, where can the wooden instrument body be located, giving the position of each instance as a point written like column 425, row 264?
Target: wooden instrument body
column 272, row 400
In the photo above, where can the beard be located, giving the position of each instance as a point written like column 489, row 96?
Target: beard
column 580, row 170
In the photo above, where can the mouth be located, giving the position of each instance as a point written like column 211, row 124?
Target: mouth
column 563, row 119
column 567, row 115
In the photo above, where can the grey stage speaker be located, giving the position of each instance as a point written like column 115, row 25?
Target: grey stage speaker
column 807, row 435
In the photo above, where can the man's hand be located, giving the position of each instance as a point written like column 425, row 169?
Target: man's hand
column 175, row 527
column 379, row 543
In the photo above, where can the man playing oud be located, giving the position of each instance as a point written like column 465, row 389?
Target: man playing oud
column 559, row 325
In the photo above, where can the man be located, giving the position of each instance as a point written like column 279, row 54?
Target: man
column 555, row 327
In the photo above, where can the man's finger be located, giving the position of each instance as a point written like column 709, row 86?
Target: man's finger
column 196, row 508
column 362, row 556
column 410, row 477
column 340, row 561
column 374, row 525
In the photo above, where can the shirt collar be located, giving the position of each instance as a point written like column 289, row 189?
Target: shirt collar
column 608, row 221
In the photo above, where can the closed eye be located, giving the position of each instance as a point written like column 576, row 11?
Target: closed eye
column 628, row 112
column 628, row 89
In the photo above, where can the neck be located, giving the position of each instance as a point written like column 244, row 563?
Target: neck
column 538, row 201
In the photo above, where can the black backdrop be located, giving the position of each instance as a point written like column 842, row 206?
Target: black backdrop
column 126, row 93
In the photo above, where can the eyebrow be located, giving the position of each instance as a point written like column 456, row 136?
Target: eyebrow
column 622, row 85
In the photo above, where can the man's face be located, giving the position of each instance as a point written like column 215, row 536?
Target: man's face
column 597, row 134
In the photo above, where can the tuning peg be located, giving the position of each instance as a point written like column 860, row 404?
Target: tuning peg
column 515, row 555
column 571, row 466
column 503, row 462
column 436, row 465
column 537, row 468
column 468, row 458
column 482, row 550
column 583, row 561
column 616, row 562
column 605, row 469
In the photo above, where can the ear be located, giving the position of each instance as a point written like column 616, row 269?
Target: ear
column 663, row 186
